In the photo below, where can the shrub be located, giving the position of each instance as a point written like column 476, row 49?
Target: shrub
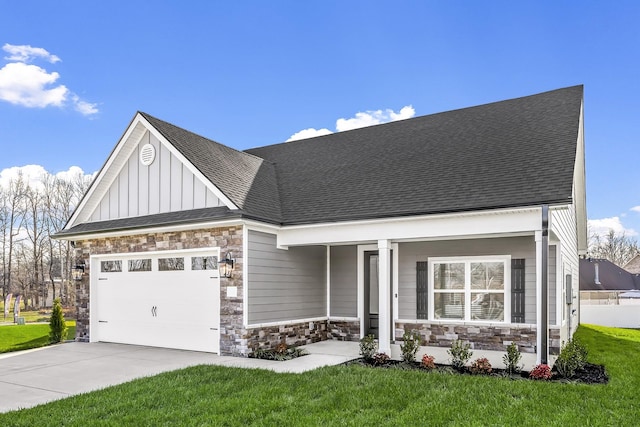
column 380, row 358
column 368, row 347
column 460, row 354
column 512, row 359
column 428, row 362
column 481, row 366
column 279, row 353
column 410, row 345
column 57, row 324
column 572, row 357
column 541, row 372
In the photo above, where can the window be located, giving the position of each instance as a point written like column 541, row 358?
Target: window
column 204, row 263
column 170, row 264
column 471, row 288
column 110, row 266
column 140, row 264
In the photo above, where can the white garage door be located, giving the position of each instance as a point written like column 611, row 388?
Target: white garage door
column 163, row 299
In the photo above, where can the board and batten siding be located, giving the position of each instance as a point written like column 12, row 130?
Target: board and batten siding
column 412, row 252
column 166, row 185
column 284, row 285
column 344, row 281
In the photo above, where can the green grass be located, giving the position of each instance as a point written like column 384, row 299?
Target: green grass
column 24, row 337
column 357, row 396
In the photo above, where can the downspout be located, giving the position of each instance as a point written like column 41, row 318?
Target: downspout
column 544, row 315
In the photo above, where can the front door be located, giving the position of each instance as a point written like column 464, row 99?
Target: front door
column 371, row 293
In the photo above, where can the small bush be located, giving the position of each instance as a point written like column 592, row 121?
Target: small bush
column 380, row 359
column 410, row 345
column 428, row 362
column 57, row 324
column 481, row 366
column 460, row 354
column 279, row 353
column 512, row 359
column 541, row 372
column 368, row 347
column 572, row 357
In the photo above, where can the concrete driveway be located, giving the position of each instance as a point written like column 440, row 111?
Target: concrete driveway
column 33, row 377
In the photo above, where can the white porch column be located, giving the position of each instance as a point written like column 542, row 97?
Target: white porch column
column 384, row 296
column 542, row 304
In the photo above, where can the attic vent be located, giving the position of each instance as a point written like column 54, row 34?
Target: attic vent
column 147, row 154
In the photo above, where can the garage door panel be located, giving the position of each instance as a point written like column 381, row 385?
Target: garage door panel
column 174, row 309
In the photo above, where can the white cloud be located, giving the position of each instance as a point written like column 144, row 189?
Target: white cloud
column 369, row 118
column 309, row 133
column 32, row 86
column 361, row 119
column 635, row 209
column 26, row 53
column 34, row 175
column 602, row 226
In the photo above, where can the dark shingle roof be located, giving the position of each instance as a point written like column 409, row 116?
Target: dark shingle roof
column 248, row 181
column 156, row 220
column 519, row 152
column 610, row 276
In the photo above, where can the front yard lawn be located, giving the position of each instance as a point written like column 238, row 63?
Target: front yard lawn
column 24, row 337
column 356, row 395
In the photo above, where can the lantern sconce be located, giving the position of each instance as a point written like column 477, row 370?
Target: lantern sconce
column 226, row 266
column 77, row 272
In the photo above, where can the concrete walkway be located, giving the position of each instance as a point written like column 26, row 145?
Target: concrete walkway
column 33, row 377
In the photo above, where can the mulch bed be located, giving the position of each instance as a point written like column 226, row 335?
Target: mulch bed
column 591, row 374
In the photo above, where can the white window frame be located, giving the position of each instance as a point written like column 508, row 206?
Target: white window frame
column 467, row 260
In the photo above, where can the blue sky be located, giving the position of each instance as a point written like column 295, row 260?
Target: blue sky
column 248, row 74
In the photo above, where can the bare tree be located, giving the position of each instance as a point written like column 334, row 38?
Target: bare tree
column 13, row 210
column 615, row 247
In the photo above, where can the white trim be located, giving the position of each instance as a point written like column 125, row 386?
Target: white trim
column 467, row 260
column 384, row 297
column 328, row 280
column 245, row 274
column 560, row 295
column 343, row 319
column 286, row 322
column 467, row 323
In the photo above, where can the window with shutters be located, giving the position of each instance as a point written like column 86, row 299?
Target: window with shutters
column 470, row 288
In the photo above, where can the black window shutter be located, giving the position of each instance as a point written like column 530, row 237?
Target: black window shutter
column 517, row 291
column 422, row 289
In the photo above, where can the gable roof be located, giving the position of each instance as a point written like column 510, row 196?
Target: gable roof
column 513, row 153
column 633, row 266
column 610, row 276
column 519, row 152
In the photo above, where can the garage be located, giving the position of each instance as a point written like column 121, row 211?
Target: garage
column 159, row 299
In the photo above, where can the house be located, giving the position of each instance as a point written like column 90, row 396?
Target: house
column 633, row 266
column 603, row 275
column 466, row 224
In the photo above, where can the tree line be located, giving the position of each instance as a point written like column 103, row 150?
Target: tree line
column 31, row 211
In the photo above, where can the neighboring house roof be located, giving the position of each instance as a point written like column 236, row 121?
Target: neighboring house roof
column 633, row 266
column 603, row 275
column 513, row 153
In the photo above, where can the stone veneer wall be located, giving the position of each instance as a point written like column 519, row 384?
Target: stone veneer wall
column 343, row 330
column 226, row 238
column 293, row 334
column 495, row 338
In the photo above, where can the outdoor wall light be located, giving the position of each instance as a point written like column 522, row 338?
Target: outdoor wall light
column 78, row 271
column 226, row 266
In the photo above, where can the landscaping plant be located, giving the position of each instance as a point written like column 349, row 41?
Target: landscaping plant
column 368, row 347
column 428, row 362
column 380, row 359
column 481, row 366
column 57, row 324
column 572, row 357
column 512, row 359
column 460, row 353
column 410, row 345
column 541, row 372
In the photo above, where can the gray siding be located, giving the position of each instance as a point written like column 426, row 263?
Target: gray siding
column 411, row 253
column 284, row 284
column 344, row 281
